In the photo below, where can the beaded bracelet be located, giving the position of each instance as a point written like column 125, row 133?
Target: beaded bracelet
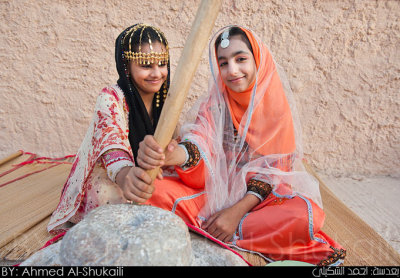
column 193, row 154
column 259, row 188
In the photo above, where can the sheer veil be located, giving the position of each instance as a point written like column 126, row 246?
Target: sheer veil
column 264, row 144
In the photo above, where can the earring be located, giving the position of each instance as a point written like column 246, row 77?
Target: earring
column 165, row 92
column 158, row 99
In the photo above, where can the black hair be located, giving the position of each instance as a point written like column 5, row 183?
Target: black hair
column 139, row 121
column 141, row 36
column 234, row 31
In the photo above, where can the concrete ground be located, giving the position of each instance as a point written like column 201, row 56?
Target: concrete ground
column 374, row 199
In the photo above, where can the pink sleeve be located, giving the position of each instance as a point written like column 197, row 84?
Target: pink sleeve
column 114, row 160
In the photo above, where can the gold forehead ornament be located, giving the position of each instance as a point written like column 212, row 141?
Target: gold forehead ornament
column 145, row 58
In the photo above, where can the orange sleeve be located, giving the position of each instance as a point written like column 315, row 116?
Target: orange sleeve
column 193, row 177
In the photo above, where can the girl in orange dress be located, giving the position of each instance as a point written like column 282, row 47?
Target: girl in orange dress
column 241, row 179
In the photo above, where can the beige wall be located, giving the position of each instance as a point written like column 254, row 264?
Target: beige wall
column 342, row 59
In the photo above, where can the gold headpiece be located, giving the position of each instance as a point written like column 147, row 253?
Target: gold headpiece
column 146, row 58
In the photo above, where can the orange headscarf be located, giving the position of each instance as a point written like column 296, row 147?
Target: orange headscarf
column 265, row 147
column 271, row 128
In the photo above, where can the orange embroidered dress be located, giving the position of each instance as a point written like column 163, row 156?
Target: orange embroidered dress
column 254, row 137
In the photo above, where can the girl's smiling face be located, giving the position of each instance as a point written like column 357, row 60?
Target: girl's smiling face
column 149, row 78
column 237, row 65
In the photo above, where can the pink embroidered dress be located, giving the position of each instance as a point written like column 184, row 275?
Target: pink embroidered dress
column 119, row 123
column 88, row 184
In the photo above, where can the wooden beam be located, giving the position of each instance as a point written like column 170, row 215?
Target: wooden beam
column 186, row 68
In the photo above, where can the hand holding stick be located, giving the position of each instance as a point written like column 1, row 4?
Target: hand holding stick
column 186, row 68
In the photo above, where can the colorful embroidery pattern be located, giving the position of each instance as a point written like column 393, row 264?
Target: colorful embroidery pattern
column 261, row 188
column 337, row 256
column 114, row 160
column 194, row 154
column 108, row 130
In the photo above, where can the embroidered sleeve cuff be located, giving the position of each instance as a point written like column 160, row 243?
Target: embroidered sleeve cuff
column 114, row 169
column 259, row 188
column 192, row 154
column 114, row 161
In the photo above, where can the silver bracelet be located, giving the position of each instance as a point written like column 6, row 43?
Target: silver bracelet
column 186, row 153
